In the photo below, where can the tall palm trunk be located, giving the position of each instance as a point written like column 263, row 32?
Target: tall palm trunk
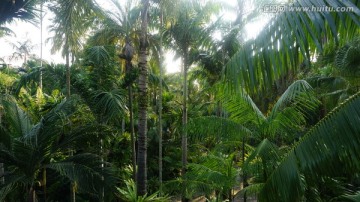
column 41, row 44
column 67, row 65
column 160, row 106
column 184, row 122
column 132, row 131
column 143, row 103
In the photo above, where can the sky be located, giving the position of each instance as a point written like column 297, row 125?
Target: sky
column 26, row 31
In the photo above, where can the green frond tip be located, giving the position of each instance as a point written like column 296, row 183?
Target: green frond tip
column 266, row 151
column 352, row 198
column 330, row 147
column 301, row 93
column 347, row 57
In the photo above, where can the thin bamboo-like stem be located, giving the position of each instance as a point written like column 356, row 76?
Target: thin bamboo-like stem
column 41, row 44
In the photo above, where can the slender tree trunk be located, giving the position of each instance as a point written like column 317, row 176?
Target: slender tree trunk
column 67, row 58
column 44, row 181
column 25, row 59
column 41, row 44
column 132, row 132
column 127, row 54
column 143, row 103
column 102, row 194
column 123, row 126
column 184, row 123
column 2, row 172
column 31, row 195
column 245, row 184
column 160, row 107
column 72, row 192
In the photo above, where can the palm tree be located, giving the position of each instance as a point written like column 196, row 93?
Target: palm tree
column 22, row 50
column 120, row 27
column 247, row 122
column 161, row 61
column 143, row 102
column 188, row 30
column 31, row 149
column 72, row 19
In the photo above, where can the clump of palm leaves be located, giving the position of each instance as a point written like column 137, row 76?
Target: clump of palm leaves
column 29, row 151
column 130, row 194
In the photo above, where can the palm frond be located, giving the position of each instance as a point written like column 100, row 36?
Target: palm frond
column 352, row 198
column 110, row 104
column 18, row 119
column 220, row 128
column 23, row 10
column 97, row 55
column 301, row 93
column 347, row 57
column 330, row 145
column 90, row 133
column 288, row 121
column 26, row 79
column 242, row 108
column 216, row 171
column 265, row 151
column 129, row 194
column 251, row 190
column 89, row 172
column 289, row 40
column 4, row 31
